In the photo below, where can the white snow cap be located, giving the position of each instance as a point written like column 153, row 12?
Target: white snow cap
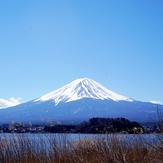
column 82, row 88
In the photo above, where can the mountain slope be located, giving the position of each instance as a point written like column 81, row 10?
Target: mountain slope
column 78, row 101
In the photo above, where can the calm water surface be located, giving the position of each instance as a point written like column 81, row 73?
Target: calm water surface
column 76, row 137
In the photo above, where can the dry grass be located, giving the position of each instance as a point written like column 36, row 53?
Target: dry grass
column 57, row 149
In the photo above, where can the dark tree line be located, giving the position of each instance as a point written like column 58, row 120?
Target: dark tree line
column 99, row 125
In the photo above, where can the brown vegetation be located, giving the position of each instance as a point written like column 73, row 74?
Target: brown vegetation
column 53, row 149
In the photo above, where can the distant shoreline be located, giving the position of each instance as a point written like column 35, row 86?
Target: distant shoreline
column 93, row 126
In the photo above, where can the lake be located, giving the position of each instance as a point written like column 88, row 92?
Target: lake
column 77, row 137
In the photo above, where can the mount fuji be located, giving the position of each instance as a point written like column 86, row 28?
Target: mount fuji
column 82, row 88
column 78, row 101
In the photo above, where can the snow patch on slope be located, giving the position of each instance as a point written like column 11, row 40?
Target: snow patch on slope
column 156, row 102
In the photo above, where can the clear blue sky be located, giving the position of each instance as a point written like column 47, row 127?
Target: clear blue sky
column 45, row 44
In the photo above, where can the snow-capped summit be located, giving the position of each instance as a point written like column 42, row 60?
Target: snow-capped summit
column 82, row 88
